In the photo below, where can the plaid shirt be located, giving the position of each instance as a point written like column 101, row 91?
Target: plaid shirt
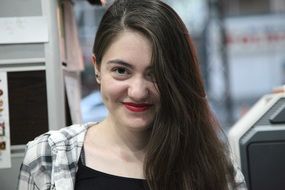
column 51, row 160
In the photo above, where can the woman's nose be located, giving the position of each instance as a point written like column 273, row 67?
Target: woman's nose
column 138, row 89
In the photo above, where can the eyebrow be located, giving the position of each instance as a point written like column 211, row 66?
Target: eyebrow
column 120, row 62
column 126, row 64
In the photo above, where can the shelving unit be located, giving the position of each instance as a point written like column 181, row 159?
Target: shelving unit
column 35, row 75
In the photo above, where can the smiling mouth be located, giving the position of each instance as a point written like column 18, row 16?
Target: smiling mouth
column 136, row 107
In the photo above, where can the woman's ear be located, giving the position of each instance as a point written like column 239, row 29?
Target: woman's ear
column 97, row 69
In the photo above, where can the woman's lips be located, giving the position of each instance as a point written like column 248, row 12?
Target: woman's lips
column 136, row 107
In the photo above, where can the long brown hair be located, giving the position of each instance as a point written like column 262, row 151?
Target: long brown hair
column 184, row 151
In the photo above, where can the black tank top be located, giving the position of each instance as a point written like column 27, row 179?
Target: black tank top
column 88, row 178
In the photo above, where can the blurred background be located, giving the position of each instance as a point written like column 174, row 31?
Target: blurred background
column 47, row 80
column 240, row 44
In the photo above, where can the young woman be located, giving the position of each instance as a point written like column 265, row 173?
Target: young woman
column 159, row 134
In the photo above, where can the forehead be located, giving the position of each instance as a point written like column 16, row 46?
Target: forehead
column 130, row 46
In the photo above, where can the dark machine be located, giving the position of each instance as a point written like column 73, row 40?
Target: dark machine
column 258, row 143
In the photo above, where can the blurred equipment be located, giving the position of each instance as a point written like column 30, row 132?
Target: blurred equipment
column 258, row 143
column 93, row 108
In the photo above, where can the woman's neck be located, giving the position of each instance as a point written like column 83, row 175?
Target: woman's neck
column 130, row 142
column 115, row 150
column 132, row 139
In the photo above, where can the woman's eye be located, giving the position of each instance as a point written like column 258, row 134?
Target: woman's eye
column 150, row 76
column 120, row 71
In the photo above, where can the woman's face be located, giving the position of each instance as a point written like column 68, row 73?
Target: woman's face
column 126, row 80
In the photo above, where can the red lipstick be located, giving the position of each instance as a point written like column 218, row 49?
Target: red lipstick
column 136, row 107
